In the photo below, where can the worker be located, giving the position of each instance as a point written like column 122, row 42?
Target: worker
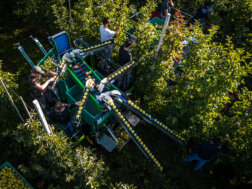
column 61, row 115
column 40, row 88
column 166, row 8
column 206, row 151
column 125, row 57
column 106, row 34
column 202, row 15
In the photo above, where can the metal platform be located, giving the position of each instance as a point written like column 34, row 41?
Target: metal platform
column 107, row 142
column 132, row 118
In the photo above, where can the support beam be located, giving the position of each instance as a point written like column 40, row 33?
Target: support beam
column 21, row 49
column 42, row 116
column 39, row 44
column 111, row 107
column 24, row 104
column 12, row 101
column 167, row 20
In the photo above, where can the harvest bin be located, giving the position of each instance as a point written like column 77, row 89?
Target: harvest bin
column 91, row 112
column 8, row 173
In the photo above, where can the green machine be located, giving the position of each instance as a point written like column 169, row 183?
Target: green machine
column 104, row 111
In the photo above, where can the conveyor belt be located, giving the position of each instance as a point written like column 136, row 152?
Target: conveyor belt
column 126, row 125
column 77, row 117
column 60, row 71
column 148, row 118
column 83, row 73
column 116, row 74
column 95, row 48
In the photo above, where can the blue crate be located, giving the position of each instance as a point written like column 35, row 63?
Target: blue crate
column 61, row 42
column 9, row 165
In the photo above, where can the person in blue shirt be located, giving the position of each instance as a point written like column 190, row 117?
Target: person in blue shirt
column 206, row 151
column 201, row 15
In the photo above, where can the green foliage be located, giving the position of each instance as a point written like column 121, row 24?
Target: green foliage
column 192, row 106
column 8, row 79
column 7, row 112
column 238, row 124
column 233, row 18
column 37, row 14
column 56, row 163
column 87, row 17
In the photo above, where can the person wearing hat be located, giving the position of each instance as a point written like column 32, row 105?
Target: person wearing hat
column 39, row 87
column 201, row 14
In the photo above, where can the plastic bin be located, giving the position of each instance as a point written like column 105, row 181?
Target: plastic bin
column 157, row 21
column 91, row 112
column 21, row 183
column 73, row 94
column 64, row 86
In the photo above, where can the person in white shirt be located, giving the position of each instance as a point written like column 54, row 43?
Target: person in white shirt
column 106, row 34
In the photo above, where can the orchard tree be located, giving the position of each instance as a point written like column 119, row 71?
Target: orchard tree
column 209, row 73
column 233, row 18
column 53, row 162
column 86, row 17
column 238, row 124
column 7, row 112
column 9, row 79
column 37, row 14
column 191, row 102
column 157, row 69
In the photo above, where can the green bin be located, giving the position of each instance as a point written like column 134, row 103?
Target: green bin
column 91, row 112
column 64, row 86
column 157, row 21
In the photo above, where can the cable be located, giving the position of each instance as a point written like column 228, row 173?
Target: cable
column 182, row 12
